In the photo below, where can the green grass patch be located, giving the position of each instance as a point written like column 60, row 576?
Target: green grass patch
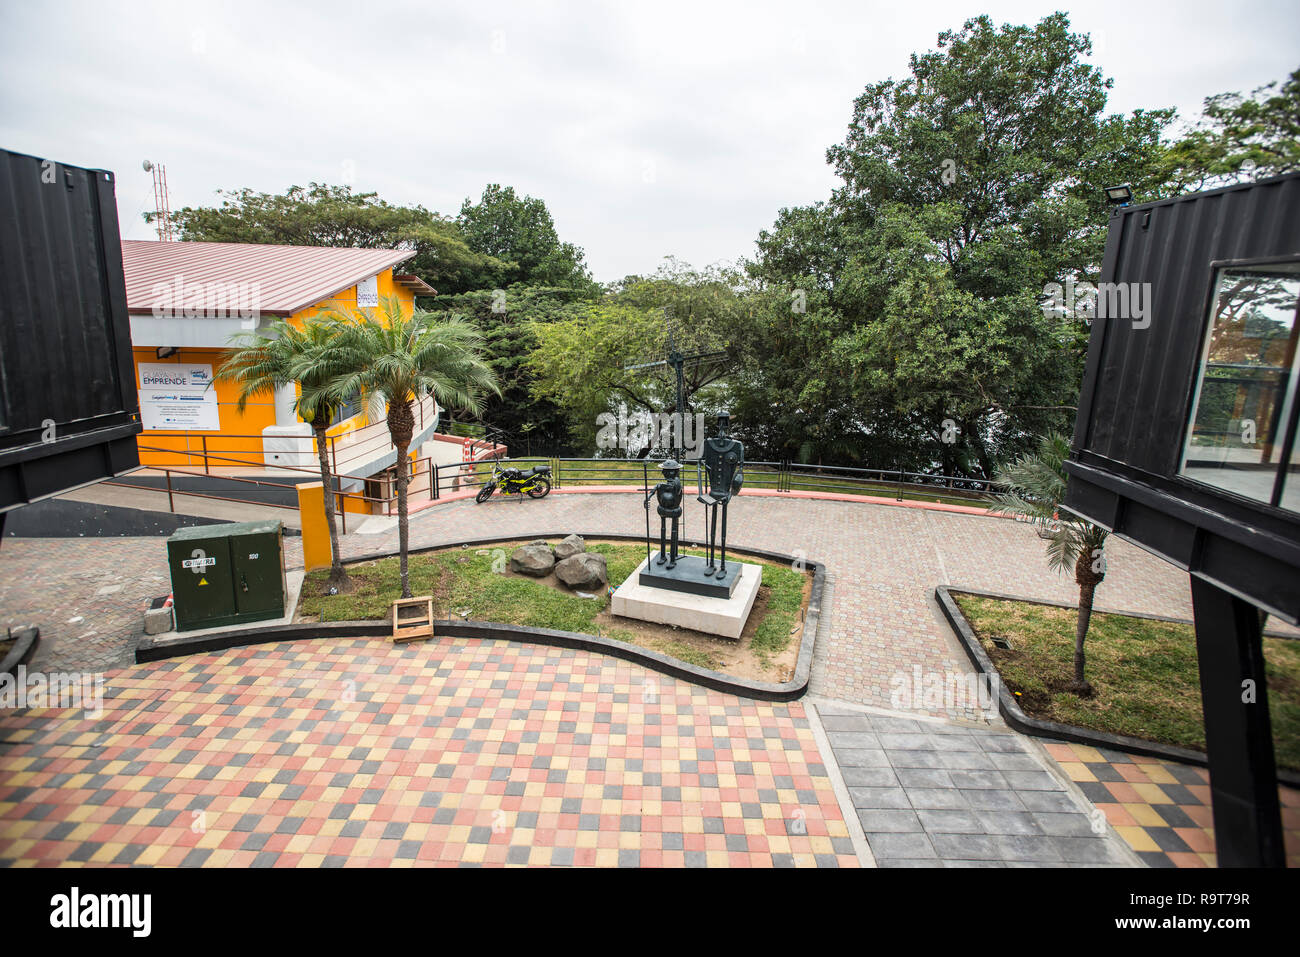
column 1144, row 672
column 463, row 581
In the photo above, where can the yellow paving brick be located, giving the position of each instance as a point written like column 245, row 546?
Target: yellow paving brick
column 1152, row 794
column 1137, row 838
column 1077, row 771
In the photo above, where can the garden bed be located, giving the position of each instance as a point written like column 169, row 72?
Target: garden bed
column 1143, row 670
column 474, row 583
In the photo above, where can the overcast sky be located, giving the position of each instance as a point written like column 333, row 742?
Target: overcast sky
column 649, row 129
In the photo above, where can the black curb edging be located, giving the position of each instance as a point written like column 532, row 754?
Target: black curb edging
column 25, row 642
column 150, row 649
column 1016, row 718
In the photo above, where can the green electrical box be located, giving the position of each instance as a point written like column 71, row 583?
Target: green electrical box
column 227, row 574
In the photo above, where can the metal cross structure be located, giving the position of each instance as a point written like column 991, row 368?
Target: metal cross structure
column 677, row 361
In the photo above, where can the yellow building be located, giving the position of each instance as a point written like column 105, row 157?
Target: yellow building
column 187, row 299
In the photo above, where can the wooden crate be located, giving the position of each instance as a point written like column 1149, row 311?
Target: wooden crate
column 413, row 619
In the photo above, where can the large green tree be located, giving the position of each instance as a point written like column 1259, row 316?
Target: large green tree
column 509, row 319
column 581, row 361
column 321, row 215
column 967, row 187
column 1239, row 139
column 519, row 234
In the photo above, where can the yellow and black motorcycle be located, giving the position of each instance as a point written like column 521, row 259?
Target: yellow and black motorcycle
column 535, row 483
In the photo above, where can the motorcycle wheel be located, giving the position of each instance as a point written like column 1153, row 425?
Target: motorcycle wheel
column 539, row 488
column 484, row 493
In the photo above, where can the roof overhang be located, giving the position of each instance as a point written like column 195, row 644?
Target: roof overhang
column 414, row 283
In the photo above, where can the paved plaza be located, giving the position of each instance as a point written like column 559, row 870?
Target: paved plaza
column 459, row 752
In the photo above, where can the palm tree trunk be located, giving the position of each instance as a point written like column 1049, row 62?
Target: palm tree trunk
column 403, row 522
column 1088, row 580
column 338, row 577
column 401, row 428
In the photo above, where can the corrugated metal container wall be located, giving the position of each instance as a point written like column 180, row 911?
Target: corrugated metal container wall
column 1134, row 407
column 68, row 402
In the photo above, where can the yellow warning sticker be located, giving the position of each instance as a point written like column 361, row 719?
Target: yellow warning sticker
column 203, row 581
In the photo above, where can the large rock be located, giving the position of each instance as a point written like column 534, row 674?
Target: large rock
column 584, row 570
column 533, row 559
column 572, row 545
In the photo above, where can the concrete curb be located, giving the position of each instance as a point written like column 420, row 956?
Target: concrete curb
column 150, row 649
column 1016, row 718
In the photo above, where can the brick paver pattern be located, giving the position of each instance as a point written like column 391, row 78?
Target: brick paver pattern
column 450, row 752
column 1161, row 808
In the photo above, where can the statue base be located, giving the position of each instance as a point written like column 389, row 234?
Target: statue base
column 689, row 576
column 724, row 615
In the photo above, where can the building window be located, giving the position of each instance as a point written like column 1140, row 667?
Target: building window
column 1242, row 433
column 349, row 409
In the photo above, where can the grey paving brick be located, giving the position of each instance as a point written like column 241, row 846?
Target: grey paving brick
column 928, row 798
column 974, row 864
column 905, row 741
column 950, row 821
column 967, row 760
column 925, row 777
column 853, row 739
column 1008, row 822
column 907, row 862
column 966, row 847
column 993, row 799
column 862, row 758
column 879, row 798
column 1086, row 850
column 1028, row 847
column 899, row 846
column 1013, row 761
column 1032, row 781
column 1064, row 824
column 979, row 779
column 890, row 724
column 869, row 777
column 1000, row 742
column 914, row 759
column 1047, row 801
column 889, row 821
column 846, row 722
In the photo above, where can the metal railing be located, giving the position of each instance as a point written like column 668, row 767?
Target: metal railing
column 431, row 481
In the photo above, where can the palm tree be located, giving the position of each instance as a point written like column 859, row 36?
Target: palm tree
column 1036, row 488
column 388, row 360
column 283, row 354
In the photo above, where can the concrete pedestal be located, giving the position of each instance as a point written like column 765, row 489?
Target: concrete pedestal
column 714, row 616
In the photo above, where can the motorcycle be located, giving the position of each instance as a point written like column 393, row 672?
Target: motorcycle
column 535, row 483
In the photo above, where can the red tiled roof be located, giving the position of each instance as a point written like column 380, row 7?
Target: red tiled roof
column 289, row 278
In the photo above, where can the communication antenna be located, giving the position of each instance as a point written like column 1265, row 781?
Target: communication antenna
column 161, row 205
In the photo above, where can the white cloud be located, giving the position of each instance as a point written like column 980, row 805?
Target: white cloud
column 649, row 130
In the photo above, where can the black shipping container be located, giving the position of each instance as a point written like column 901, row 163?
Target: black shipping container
column 1150, row 459
column 68, row 404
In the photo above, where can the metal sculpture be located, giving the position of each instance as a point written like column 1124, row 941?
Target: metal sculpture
column 669, row 494
column 723, row 460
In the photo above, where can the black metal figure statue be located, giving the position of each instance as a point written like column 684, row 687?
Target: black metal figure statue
column 669, row 493
column 723, row 459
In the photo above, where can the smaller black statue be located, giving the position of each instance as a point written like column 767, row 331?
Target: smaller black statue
column 723, row 462
column 669, row 493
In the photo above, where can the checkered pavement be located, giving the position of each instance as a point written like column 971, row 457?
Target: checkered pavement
column 1161, row 808
column 451, row 752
